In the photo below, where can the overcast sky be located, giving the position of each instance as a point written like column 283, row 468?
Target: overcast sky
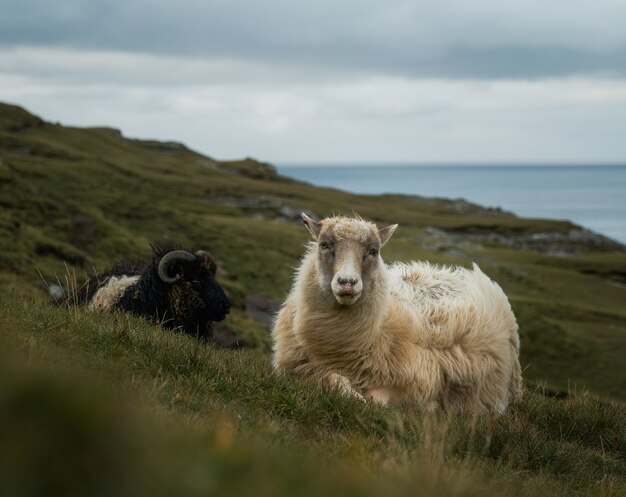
column 330, row 81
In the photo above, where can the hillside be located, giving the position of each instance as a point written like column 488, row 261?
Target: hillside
column 82, row 198
column 73, row 199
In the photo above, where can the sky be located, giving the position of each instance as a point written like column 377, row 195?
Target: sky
column 291, row 81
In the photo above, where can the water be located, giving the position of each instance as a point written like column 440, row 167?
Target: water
column 591, row 196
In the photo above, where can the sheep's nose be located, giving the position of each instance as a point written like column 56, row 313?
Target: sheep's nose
column 347, row 281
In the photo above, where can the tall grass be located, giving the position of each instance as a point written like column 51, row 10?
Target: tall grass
column 95, row 404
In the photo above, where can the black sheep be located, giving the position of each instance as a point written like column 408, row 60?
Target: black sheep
column 177, row 289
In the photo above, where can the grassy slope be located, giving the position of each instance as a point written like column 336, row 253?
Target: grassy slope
column 83, row 197
column 121, row 407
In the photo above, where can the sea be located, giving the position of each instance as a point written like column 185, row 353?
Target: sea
column 592, row 196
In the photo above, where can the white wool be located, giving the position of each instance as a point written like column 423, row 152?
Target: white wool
column 440, row 337
column 106, row 297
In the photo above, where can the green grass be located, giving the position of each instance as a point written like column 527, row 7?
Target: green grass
column 116, row 406
column 111, row 405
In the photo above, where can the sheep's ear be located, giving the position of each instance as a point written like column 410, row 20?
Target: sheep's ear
column 385, row 233
column 313, row 226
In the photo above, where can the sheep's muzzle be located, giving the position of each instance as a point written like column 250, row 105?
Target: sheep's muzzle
column 347, row 293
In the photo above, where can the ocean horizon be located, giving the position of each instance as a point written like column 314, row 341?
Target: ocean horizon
column 593, row 196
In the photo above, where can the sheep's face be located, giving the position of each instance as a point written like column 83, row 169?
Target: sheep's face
column 194, row 294
column 348, row 252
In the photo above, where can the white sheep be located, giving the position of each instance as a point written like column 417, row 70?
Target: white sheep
column 438, row 337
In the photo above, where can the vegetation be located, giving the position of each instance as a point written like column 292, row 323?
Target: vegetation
column 112, row 405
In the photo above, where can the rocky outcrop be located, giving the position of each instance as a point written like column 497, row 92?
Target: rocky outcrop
column 556, row 243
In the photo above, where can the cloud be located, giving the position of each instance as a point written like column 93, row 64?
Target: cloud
column 230, row 108
column 448, row 38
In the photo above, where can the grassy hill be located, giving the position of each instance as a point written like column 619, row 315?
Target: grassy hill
column 138, row 409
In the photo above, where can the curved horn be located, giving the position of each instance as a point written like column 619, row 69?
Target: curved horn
column 174, row 257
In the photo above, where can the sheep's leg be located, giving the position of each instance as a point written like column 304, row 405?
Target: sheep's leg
column 342, row 384
column 290, row 358
column 339, row 382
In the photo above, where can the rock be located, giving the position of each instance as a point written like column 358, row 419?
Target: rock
column 56, row 292
column 262, row 309
column 227, row 339
column 437, row 240
column 289, row 212
column 264, row 208
column 249, row 167
column 555, row 243
column 160, row 147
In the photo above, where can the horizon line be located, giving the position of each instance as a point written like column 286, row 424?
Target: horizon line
column 380, row 163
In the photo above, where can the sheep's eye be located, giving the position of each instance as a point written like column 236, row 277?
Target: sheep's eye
column 373, row 252
column 324, row 246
